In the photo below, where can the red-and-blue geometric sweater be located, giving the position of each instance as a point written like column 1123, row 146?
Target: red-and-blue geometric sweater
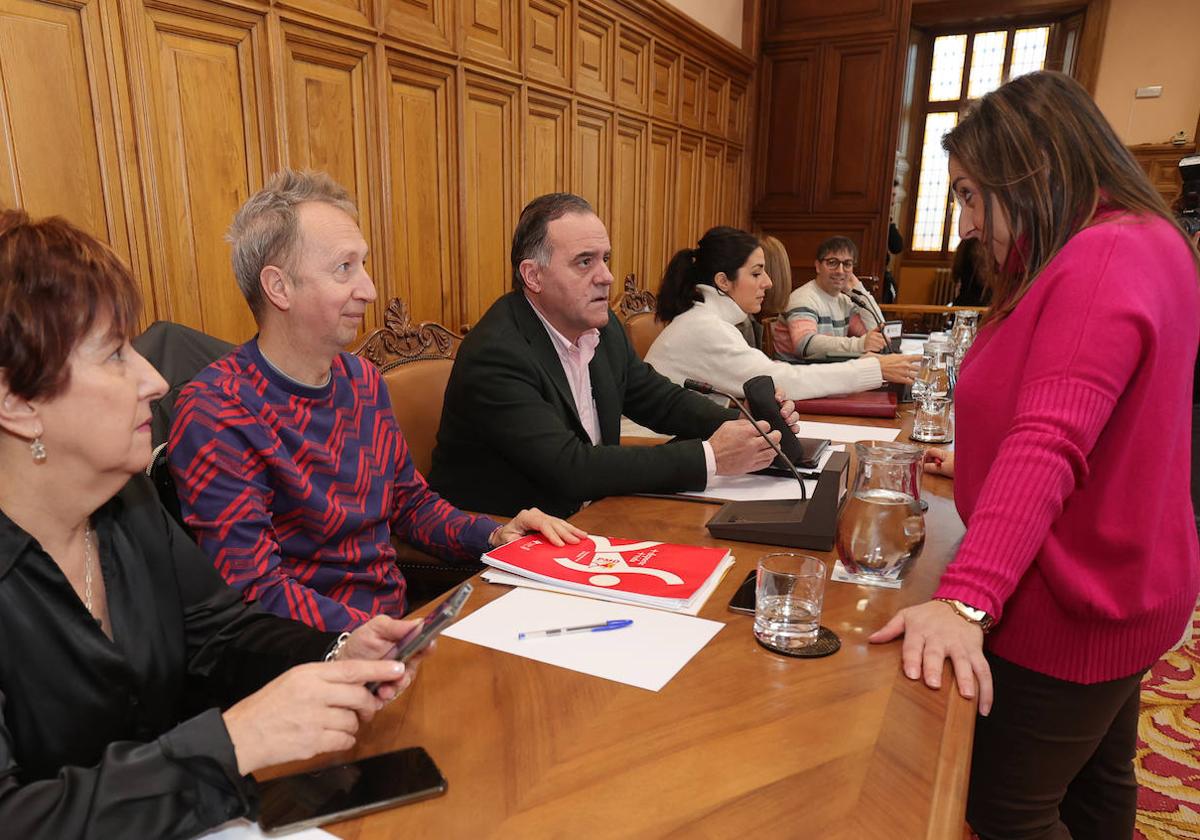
column 294, row 491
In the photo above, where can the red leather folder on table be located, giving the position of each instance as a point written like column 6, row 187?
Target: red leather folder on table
column 861, row 404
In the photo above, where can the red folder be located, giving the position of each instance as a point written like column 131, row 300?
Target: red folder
column 861, row 404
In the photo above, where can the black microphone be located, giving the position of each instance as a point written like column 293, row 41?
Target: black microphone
column 705, row 388
column 853, row 296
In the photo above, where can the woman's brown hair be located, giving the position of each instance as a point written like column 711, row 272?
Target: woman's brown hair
column 779, row 269
column 56, row 284
column 1042, row 149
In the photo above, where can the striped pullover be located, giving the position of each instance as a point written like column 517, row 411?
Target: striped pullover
column 294, row 491
column 825, row 323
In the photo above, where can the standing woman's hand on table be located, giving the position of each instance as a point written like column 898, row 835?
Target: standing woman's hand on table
column 939, row 461
column 933, row 632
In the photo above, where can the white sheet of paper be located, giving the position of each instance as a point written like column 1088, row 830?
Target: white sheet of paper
column 749, row 488
column 245, row 830
column 632, row 429
column 846, row 434
column 647, row 654
column 912, row 346
column 507, row 579
column 842, row 575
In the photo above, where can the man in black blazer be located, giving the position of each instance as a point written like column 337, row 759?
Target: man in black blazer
column 533, row 408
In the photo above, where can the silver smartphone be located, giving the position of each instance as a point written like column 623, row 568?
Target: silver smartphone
column 305, row 800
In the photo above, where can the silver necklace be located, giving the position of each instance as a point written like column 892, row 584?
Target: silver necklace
column 87, row 570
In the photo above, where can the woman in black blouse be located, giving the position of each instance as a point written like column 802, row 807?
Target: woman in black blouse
column 119, row 643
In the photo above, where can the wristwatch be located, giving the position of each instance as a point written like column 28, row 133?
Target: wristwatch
column 969, row 613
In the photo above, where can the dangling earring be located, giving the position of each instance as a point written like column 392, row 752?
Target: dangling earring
column 38, row 450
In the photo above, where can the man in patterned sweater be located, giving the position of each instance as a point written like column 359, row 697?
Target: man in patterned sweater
column 291, row 470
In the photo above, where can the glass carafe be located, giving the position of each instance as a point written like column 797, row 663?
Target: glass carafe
column 881, row 527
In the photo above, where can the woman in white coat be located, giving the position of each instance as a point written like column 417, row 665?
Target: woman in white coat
column 707, row 291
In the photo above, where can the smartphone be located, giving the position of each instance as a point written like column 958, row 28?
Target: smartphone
column 348, row 790
column 429, row 629
column 743, row 600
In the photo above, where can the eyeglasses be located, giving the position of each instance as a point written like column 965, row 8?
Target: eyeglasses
column 833, row 262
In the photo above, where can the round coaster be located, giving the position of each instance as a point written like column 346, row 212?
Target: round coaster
column 827, row 643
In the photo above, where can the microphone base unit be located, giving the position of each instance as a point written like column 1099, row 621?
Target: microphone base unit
column 808, row 524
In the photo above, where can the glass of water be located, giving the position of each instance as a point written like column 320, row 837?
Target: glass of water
column 932, row 422
column 788, row 595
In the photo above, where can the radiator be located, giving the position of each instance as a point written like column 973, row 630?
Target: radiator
column 942, row 290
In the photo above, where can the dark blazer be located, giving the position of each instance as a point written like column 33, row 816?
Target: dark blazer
column 510, row 436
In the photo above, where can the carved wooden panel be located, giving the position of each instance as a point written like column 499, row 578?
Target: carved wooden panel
column 548, row 41
column 491, row 177
column 627, row 228
column 547, row 144
column 1161, row 164
column 735, row 125
column 57, row 130
column 427, row 22
column 716, row 103
column 422, row 186
column 712, row 171
column 593, row 157
column 664, row 81
column 489, row 31
column 687, row 190
column 660, row 202
column 691, row 93
column 594, row 37
column 787, row 142
column 790, row 19
column 733, row 203
column 203, row 78
column 326, row 119
column 850, row 121
column 357, row 13
column 633, row 68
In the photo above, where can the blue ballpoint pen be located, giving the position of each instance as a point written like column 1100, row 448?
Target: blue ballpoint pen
column 613, row 624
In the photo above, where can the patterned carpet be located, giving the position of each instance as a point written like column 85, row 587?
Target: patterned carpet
column 1168, row 751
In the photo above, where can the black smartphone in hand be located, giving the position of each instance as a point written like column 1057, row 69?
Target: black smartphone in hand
column 430, row 628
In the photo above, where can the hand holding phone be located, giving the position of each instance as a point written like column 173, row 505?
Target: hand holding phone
column 430, row 628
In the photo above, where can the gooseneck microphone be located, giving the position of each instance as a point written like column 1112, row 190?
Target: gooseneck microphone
column 705, row 388
column 858, row 300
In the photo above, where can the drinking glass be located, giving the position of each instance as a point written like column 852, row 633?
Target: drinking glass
column 932, row 423
column 788, row 595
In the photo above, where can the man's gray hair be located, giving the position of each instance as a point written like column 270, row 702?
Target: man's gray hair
column 265, row 230
column 530, row 240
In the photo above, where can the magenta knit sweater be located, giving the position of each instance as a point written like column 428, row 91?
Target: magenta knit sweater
column 1072, row 458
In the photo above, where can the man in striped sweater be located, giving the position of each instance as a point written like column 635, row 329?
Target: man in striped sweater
column 291, row 470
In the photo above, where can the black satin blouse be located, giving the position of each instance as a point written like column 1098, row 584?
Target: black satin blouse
column 124, row 738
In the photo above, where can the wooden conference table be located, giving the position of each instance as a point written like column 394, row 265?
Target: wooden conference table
column 741, row 741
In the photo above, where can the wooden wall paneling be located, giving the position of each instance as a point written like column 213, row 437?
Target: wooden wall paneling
column 491, row 185
column 1161, row 164
column 789, row 19
column 430, row 23
column 491, row 32
column 733, row 193
column 633, row 68
column 712, row 170
column 327, row 123
column 851, row 119
column 422, row 188
column 548, row 41
column 360, row 14
column 205, row 102
column 691, row 93
column 595, row 35
column 661, row 243
column 716, row 103
column 791, row 85
column 688, row 220
column 59, row 129
column 592, row 153
column 802, row 236
column 735, row 123
column 547, row 135
column 627, row 228
column 664, row 82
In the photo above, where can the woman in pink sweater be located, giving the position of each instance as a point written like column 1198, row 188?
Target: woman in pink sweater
column 1074, row 422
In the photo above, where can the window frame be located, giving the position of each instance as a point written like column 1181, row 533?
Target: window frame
column 922, row 107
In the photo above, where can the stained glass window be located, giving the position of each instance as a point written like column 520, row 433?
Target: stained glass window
column 987, row 63
column 945, row 74
column 934, row 187
column 1029, row 50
